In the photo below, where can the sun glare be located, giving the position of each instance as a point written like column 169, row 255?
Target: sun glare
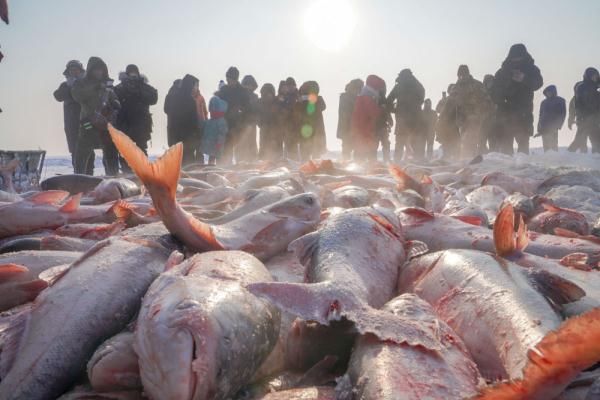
column 329, row 23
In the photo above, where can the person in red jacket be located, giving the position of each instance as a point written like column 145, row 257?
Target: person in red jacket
column 367, row 110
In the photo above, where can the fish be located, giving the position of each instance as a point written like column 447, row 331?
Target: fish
column 7, row 171
column 311, row 393
column 352, row 263
column 72, row 183
column 457, row 208
column 498, row 308
column 557, row 217
column 112, row 189
column 254, row 199
column 46, row 348
column 91, row 231
column 590, row 179
column 114, row 365
column 200, row 334
column 523, row 205
column 264, row 233
column 21, row 244
column 350, row 197
column 66, row 243
column 428, row 188
column 489, row 198
column 554, row 362
column 380, row 370
column 511, row 183
column 53, row 209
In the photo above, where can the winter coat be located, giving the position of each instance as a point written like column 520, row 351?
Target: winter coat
column 512, row 97
column 182, row 112
column 215, row 128
column 471, row 98
column 345, row 111
column 366, row 114
column 97, row 99
column 430, row 118
column 238, row 101
column 587, row 97
column 309, row 127
column 406, row 99
column 553, row 112
column 136, row 96
column 71, row 112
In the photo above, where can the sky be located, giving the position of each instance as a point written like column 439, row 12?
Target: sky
column 274, row 39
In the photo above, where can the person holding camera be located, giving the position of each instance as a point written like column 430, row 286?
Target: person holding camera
column 99, row 107
column 134, row 118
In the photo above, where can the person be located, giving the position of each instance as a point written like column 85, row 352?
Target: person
column 367, row 111
column 168, row 105
column 238, row 101
column 447, row 131
column 384, row 127
column 430, row 118
column 308, row 123
column 345, row 110
column 472, row 102
column 514, row 85
column 71, row 109
column 578, row 142
column 202, row 113
column 587, row 110
column 182, row 115
column 289, row 95
column 406, row 99
column 247, row 148
column 215, row 130
column 489, row 119
column 270, row 124
column 99, row 106
column 440, row 105
column 134, row 118
column 553, row 111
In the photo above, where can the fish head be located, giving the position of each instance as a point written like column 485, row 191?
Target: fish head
column 177, row 348
column 304, row 207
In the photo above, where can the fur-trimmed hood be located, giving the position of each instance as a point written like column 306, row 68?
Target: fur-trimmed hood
column 124, row 77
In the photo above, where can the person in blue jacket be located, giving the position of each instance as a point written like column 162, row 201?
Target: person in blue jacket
column 553, row 112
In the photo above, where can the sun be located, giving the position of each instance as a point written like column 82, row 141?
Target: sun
column 329, row 24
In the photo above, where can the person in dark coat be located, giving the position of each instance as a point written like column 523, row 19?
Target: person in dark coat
column 579, row 143
column 309, row 126
column 247, row 150
column 447, row 131
column 168, row 106
column 182, row 115
column 238, row 101
column 134, row 119
column 514, row 84
column 587, row 109
column 553, row 112
column 366, row 115
column 71, row 109
column 99, row 107
column 405, row 100
column 270, row 123
column 345, row 110
column 288, row 95
column 430, row 118
column 488, row 137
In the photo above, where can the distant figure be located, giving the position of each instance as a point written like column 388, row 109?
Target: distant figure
column 182, row 114
column 288, row 95
column 367, row 111
column 405, row 100
column 430, row 118
column 99, row 106
column 215, row 130
column 71, row 109
column 238, row 101
column 488, row 137
column 247, row 148
column 270, row 123
column 473, row 103
column 440, row 105
column 385, row 122
column 447, row 131
column 587, row 110
column 345, row 110
column 134, row 119
column 168, row 107
column 514, row 84
column 553, row 111
column 309, row 126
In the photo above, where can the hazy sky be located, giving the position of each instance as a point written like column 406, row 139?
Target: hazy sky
column 268, row 39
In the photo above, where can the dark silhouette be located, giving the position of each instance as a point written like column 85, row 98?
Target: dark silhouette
column 238, row 102
column 430, row 118
column 345, row 110
column 553, row 111
column 587, row 111
column 308, row 124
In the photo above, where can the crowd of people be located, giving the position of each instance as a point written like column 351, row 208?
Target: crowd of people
column 472, row 117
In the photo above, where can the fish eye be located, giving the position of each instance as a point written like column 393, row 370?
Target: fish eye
column 310, row 201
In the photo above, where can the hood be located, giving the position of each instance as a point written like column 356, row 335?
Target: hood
column 589, row 73
column 187, row 83
column 550, row 90
column 376, row 83
column 124, row 77
column 518, row 51
column 96, row 62
column 217, row 105
column 73, row 63
column 354, row 86
column 249, row 82
column 309, row 87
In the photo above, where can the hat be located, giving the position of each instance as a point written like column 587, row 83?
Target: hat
column 249, row 82
column 290, row 82
column 463, row 70
column 132, row 68
column 232, row 73
column 73, row 63
column 375, row 82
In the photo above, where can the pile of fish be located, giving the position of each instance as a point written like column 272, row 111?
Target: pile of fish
column 323, row 280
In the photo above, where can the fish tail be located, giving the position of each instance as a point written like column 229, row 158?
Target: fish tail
column 161, row 174
column 504, row 231
column 555, row 361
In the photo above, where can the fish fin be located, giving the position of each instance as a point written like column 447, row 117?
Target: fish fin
column 327, row 301
column 49, row 197
column 12, row 329
column 554, row 361
column 404, row 180
column 504, row 228
column 163, row 173
column 9, row 271
column 305, row 246
column 522, row 238
column 53, row 274
column 468, row 219
column 121, row 209
column 205, row 231
column 387, row 225
column 577, row 261
column 418, row 212
column 415, row 248
column 557, row 290
column 72, row 204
